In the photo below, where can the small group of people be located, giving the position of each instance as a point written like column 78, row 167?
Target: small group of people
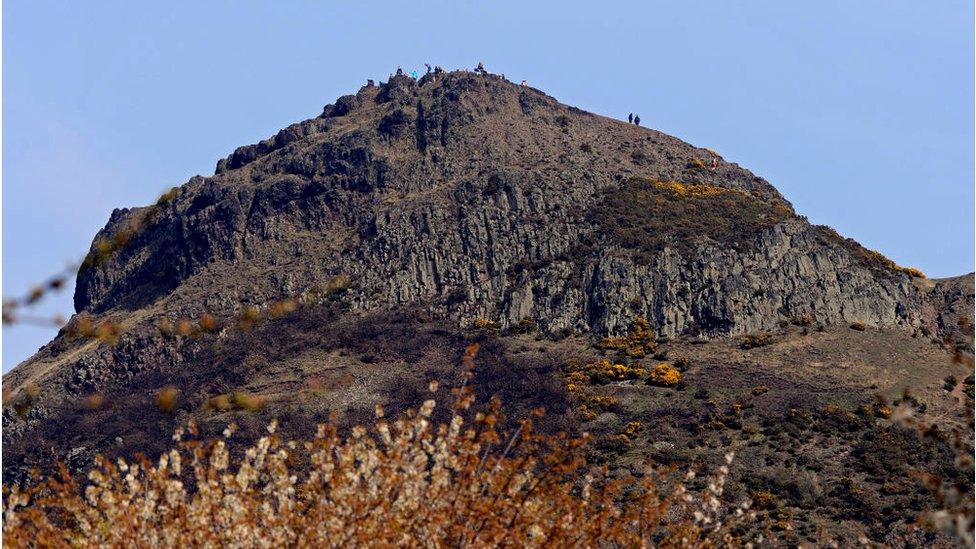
column 632, row 119
column 414, row 75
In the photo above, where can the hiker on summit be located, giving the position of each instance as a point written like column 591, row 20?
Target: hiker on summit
column 399, row 71
column 413, row 74
column 428, row 68
column 480, row 69
column 630, row 118
column 637, row 120
column 370, row 83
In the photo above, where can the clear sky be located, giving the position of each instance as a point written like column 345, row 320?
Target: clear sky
column 861, row 113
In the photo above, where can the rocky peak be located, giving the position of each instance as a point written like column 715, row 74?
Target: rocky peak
column 472, row 197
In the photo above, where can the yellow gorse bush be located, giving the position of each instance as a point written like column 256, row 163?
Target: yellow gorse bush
column 665, row 375
column 636, row 344
column 404, row 483
column 690, row 189
column 603, row 371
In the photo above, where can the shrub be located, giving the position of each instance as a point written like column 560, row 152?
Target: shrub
column 404, row 483
column 664, row 375
column 751, row 341
column 166, row 398
column 604, row 371
column 239, row 400
column 586, row 413
column 912, row 271
column 762, row 499
column 593, row 405
column 632, row 428
column 576, row 382
column 636, row 344
column 681, row 362
column 686, row 190
column 485, row 324
column 604, row 402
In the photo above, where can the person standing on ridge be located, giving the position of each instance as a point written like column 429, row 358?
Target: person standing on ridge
column 399, row 71
column 428, row 68
column 481, row 68
column 630, row 118
column 413, row 74
column 637, row 120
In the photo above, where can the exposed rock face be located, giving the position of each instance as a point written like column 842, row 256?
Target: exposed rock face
column 464, row 196
column 472, row 196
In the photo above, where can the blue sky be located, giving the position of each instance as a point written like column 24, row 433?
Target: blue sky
column 861, row 113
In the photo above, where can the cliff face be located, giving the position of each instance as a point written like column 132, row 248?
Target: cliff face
column 474, row 197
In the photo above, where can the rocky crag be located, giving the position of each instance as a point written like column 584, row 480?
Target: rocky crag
column 480, row 198
column 457, row 201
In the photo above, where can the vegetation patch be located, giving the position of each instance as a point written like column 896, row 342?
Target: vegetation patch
column 871, row 258
column 874, row 256
column 664, row 375
column 601, row 372
column 409, row 482
column 751, row 341
column 645, row 215
column 636, row 344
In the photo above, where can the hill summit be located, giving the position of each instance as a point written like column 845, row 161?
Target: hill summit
column 642, row 289
column 479, row 198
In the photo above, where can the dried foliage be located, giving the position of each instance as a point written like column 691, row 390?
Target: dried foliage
column 403, row 483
